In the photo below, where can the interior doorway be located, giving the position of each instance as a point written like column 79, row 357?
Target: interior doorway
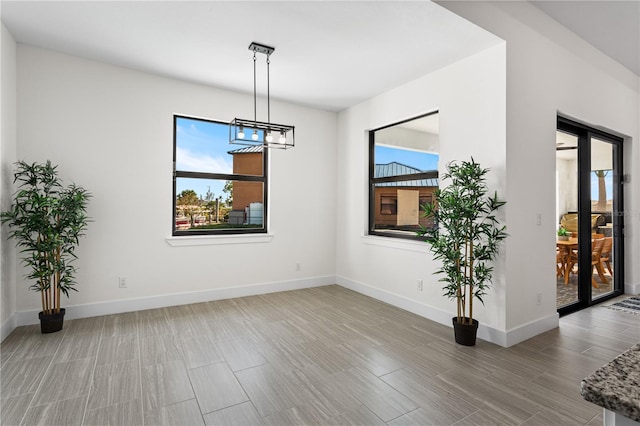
column 589, row 267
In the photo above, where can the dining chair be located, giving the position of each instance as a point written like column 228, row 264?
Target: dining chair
column 596, row 261
column 560, row 265
column 606, row 253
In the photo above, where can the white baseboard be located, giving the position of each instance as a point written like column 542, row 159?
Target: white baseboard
column 402, row 302
column 490, row 334
column 485, row 332
column 7, row 327
column 165, row 300
column 531, row 329
column 631, row 288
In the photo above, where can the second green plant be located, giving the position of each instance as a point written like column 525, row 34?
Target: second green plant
column 466, row 235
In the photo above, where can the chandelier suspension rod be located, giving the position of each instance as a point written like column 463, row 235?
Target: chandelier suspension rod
column 255, row 113
column 268, row 92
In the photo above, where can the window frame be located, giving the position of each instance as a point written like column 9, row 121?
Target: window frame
column 217, row 176
column 392, row 233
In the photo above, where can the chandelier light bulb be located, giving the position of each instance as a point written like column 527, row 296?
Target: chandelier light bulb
column 269, row 137
column 241, row 133
column 283, row 138
column 254, row 136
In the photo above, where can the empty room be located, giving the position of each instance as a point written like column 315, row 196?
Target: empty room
column 320, row 212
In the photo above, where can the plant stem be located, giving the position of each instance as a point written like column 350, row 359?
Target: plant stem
column 57, row 278
column 42, row 299
column 471, row 282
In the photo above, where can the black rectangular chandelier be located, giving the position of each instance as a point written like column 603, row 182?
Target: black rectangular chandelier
column 259, row 133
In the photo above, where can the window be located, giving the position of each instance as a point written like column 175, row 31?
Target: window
column 403, row 174
column 217, row 188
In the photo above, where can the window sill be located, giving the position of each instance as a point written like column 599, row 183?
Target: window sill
column 397, row 243
column 210, row 240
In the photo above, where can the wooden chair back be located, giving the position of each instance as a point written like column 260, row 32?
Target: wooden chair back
column 607, row 246
column 606, row 253
column 596, row 261
column 597, row 245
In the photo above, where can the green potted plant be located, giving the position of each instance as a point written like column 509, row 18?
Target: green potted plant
column 465, row 239
column 47, row 220
column 563, row 234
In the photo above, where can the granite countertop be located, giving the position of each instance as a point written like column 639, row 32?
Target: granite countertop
column 616, row 385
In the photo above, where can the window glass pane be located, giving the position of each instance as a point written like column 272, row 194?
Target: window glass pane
column 216, row 204
column 397, row 161
column 218, row 188
column 401, row 152
column 602, row 216
column 405, row 215
column 601, row 177
column 567, row 214
column 203, row 146
column 407, row 148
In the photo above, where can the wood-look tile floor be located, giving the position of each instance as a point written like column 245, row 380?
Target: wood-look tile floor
column 320, row 356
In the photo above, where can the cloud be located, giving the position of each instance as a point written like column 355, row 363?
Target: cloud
column 189, row 161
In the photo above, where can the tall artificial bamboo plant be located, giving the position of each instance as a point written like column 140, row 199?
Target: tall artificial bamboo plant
column 466, row 234
column 47, row 220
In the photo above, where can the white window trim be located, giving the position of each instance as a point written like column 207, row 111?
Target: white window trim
column 396, row 243
column 212, row 240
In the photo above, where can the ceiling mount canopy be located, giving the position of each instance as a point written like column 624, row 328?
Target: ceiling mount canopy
column 259, row 133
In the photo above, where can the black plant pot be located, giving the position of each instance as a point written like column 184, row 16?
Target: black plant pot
column 465, row 333
column 50, row 323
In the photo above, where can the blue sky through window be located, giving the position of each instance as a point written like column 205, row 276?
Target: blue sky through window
column 202, row 146
column 420, row 160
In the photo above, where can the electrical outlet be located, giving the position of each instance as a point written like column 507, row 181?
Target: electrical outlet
column 539, row 299
column 539, row 219
column 298, row 267
column 122, row 282
column 420, row 287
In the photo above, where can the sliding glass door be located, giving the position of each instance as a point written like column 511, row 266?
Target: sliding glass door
column 589, row 205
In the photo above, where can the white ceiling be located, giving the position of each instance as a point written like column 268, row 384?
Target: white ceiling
column 329, row 54
column 611, row 26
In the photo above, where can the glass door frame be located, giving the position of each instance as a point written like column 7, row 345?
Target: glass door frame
column 585, row 134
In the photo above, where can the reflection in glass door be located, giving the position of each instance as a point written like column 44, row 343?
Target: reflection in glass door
column 567, row 214
column 602, row 208
column 588, row 206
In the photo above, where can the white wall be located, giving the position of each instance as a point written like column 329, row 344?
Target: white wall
column 551, row 71
column 548, row 70
column 110, row 130
column 7, row 158
column 470, row 97
column 567, row 198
